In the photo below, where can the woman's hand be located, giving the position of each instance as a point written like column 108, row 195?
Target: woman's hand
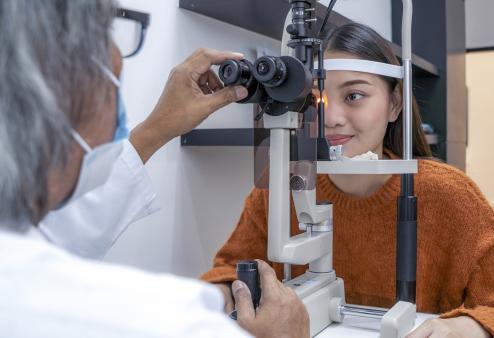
column 460, row 327
column 227, row 294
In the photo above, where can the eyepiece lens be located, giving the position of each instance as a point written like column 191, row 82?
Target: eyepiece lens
column 228, row 71
column 270, row 71
column 263, row 68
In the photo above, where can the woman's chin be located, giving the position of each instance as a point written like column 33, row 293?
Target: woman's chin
column 349, row 151
column 352, row 152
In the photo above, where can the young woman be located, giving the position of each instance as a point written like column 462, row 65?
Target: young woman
column 455, row 274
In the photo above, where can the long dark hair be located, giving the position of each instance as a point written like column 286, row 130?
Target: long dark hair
column 365, row 43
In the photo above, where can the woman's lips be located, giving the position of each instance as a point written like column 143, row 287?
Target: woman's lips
column 336, row 140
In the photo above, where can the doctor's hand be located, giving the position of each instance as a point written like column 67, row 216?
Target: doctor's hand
column 460, row 327
column 280, row 313
column 226, row 289
column 192, row 93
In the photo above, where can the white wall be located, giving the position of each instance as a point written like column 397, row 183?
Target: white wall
column 479, row 73
column 201, row 190
column 480, row 159
column 480, row 26
column 375, row 13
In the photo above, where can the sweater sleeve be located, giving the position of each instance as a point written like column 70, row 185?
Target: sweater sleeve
column 479, row 298
column 248, row 240
column 479, row 293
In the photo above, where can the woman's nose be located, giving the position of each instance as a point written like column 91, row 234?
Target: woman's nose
column 334, row 115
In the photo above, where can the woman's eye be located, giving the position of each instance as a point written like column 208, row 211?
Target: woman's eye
column 354, row 97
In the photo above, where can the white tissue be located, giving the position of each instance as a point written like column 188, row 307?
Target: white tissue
column 368, row 156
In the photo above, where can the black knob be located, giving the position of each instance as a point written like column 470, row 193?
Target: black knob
column 298, row 183
column 247, row 272
column 292, row 29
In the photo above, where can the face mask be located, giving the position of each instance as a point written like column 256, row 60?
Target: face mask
column 97, row 163
column 88, row 225
column 96, row 167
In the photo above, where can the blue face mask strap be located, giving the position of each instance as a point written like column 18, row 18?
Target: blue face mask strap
column 121, row 132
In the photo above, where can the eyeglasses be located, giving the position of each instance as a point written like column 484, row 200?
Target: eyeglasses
column 129, row 31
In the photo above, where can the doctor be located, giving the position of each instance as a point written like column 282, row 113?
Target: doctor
column 58, row 124
column 124, row 182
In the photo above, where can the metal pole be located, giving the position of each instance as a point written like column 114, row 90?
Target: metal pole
column 406, row 241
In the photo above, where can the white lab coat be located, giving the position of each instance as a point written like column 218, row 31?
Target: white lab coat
column 48, row 293
column 90, row 225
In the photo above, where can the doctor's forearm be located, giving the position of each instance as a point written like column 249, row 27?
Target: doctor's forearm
column 146, row 140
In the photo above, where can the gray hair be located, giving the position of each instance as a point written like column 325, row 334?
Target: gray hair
column 49, row 81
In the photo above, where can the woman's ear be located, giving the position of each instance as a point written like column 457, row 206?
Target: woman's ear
column 396, row 103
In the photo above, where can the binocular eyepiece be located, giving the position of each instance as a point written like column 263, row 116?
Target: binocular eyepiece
column 239, row 73
column 283, row 79
column 236, row 73
column 268, row 70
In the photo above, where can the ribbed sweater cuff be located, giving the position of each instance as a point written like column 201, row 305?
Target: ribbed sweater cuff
column 482, row 314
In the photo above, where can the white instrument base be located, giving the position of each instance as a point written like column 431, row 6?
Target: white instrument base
column 316, row 291
column 357, row 327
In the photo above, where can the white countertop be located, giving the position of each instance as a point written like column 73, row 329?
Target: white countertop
column 353, row 327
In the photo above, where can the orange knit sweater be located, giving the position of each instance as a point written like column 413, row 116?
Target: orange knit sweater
column 455, row 263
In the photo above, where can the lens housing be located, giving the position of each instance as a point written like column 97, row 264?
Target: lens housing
column 235, row 73
column 239, row 73
column 270, row 71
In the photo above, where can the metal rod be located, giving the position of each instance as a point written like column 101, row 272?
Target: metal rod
column 279, row 194
column 308, row 230
column 349, row 310
column 287, row 272
column 326, row 17
column 406, row 241
column 320, row 85
column 407, row 78
column 407, row 110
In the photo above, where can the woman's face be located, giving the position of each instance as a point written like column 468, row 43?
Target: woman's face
column 359, row 107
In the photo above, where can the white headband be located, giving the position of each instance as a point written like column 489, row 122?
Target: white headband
column 364, row 66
